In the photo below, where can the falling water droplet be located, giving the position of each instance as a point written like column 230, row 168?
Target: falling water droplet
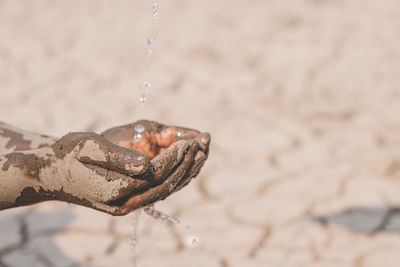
column 195, row 242
column 132, row 241
column 159, row 216
column 139, row 128
column 151, row 41
column 155, row 10
column 179, row 134
column 142, row 100
column 192, row 241
column 145, row 87
column 149, row 53
column 138, row 137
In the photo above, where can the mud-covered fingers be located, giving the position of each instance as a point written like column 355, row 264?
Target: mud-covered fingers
column 169, row 134
column 204, row 140
column 183, row 171
column 201, row 156
column 101, row 152
column 194, row 165
column 199, row 161
column 96, row 205
column 183, row 133
column 166, row 162
column 163, row 190
column 127, row 184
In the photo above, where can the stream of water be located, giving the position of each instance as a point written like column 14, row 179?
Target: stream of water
column 145, row 86
column 189, row 238
column 133, row 239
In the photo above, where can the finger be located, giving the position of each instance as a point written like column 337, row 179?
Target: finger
column 199, row 161
column 163, row 190
column 204, row 140
column 134, row 184
column 100, row 207
column 169, row 134
column 165, row 163
column 100, row 152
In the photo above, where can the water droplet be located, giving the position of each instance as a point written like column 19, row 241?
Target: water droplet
column 173, row 220
column 138, row 137
column 142, row 100
column 132, row 241
column 149, row 53
column 159, row 216
column 155, row 10
column 179, row 134
column 151, row 41
column 192, row 241
column 139, row 128
column 145, row 86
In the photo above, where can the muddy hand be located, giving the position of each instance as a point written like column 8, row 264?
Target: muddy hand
column 80, row 168
column 177, row 155
column 94, row 172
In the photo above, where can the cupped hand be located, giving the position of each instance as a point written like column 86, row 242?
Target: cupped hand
column 123, row 169
column 176, row 155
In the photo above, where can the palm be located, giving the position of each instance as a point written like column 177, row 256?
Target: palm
column 150, row 138
column 177, row 155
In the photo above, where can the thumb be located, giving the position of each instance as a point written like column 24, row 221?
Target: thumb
column 100, row 152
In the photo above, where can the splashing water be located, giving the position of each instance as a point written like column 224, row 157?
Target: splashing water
column 190, row 239
column 159, row 216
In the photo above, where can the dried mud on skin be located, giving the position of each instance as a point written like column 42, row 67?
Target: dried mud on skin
column 301, row 99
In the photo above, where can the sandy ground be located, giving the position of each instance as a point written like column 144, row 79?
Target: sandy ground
column 301, row 98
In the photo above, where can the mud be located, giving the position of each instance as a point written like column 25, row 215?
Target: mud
column 16, row 140
column 31, row 163
column 30, row 196
column 257, row 75
column 66, row 144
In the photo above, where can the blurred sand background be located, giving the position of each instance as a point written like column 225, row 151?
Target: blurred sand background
column 301, row 98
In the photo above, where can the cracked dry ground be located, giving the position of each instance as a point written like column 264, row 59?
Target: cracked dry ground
column 301, row 98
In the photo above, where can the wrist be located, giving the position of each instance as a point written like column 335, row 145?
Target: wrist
column 21, row 177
